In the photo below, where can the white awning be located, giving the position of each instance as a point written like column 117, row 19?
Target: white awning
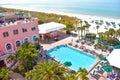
column 114, row 58
column 49, row 27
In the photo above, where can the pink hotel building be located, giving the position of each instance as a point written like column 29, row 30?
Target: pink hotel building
column 15, row 29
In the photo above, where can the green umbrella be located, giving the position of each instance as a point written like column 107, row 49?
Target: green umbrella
column 67, row 63
column 19, row 13
column 107, row 68
column 104, row 58
column 117, row 47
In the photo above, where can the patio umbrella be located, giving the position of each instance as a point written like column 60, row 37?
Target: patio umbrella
column 67, row 63
column 117, row 47
column 104, row 58
column 107, row 68
column 19, row 13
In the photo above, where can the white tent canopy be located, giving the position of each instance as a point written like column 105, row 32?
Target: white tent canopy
column 49, row 27
column 114, row 58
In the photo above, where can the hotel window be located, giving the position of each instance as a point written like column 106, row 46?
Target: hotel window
column 5, row 34
column 18, row 43
column 24, row 30
column 15, row 32
column 34, row 38
column 26, row 40
column 33, row 28
column 8, row 46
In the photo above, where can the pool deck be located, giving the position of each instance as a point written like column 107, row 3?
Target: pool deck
column 69, row 39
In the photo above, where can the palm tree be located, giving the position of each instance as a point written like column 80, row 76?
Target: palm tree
column 101, row 34
column 118, row 32
column 71, row 77
column 80, row 22
column 112, row 32
column 47, row 71
column 69, row 27
column 107, row 33
column 26, row 56
column 97, row 27
column 82, row 72
column 4, row 73
column 84, row 28
column 39, row 40
column 79, row 29
column 87, row 27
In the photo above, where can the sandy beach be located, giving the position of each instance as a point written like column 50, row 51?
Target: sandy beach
column 83, row 17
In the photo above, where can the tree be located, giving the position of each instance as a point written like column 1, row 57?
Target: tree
column 82, row 29
column 97, row 27
column 69, row 27
column 71, row 77
column 112, row 32
column 46, row 71
column 87, row 27
column 40, row 21
column 39, row 40
column 4, row 73
column 82, row 72
column 107, row 33
column 81, row 22
column 79, row 29
column 26, row 55
column 118, row 33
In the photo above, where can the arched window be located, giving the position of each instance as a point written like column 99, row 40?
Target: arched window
column 18, row 43
column 8, row 46
column 26, row 40
column 34, row 38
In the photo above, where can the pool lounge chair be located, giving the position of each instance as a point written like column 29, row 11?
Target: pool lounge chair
column 76, row 45
column 102, row 64
column 92, row 74
column 70, row 44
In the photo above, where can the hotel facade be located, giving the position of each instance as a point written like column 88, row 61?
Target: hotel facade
column 16, row 29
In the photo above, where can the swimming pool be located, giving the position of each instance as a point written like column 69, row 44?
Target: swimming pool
column 77, row 58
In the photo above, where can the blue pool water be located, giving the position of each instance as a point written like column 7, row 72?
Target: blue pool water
column 77, row 58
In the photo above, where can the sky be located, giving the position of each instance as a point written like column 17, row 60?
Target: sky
column 39, row 1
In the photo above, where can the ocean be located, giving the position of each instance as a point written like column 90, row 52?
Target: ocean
column 110, row 9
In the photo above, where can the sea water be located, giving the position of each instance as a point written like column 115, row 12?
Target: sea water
column 104, row 8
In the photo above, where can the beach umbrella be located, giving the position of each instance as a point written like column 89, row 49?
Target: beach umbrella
column 119, row 24
column 67, row 63
column 107, row 68
column 104, row 58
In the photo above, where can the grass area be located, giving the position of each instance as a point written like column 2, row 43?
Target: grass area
column 44, row 17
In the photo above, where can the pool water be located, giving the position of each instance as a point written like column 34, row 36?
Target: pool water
column 77, row 58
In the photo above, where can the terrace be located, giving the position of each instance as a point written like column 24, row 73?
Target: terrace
column 8, row 19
